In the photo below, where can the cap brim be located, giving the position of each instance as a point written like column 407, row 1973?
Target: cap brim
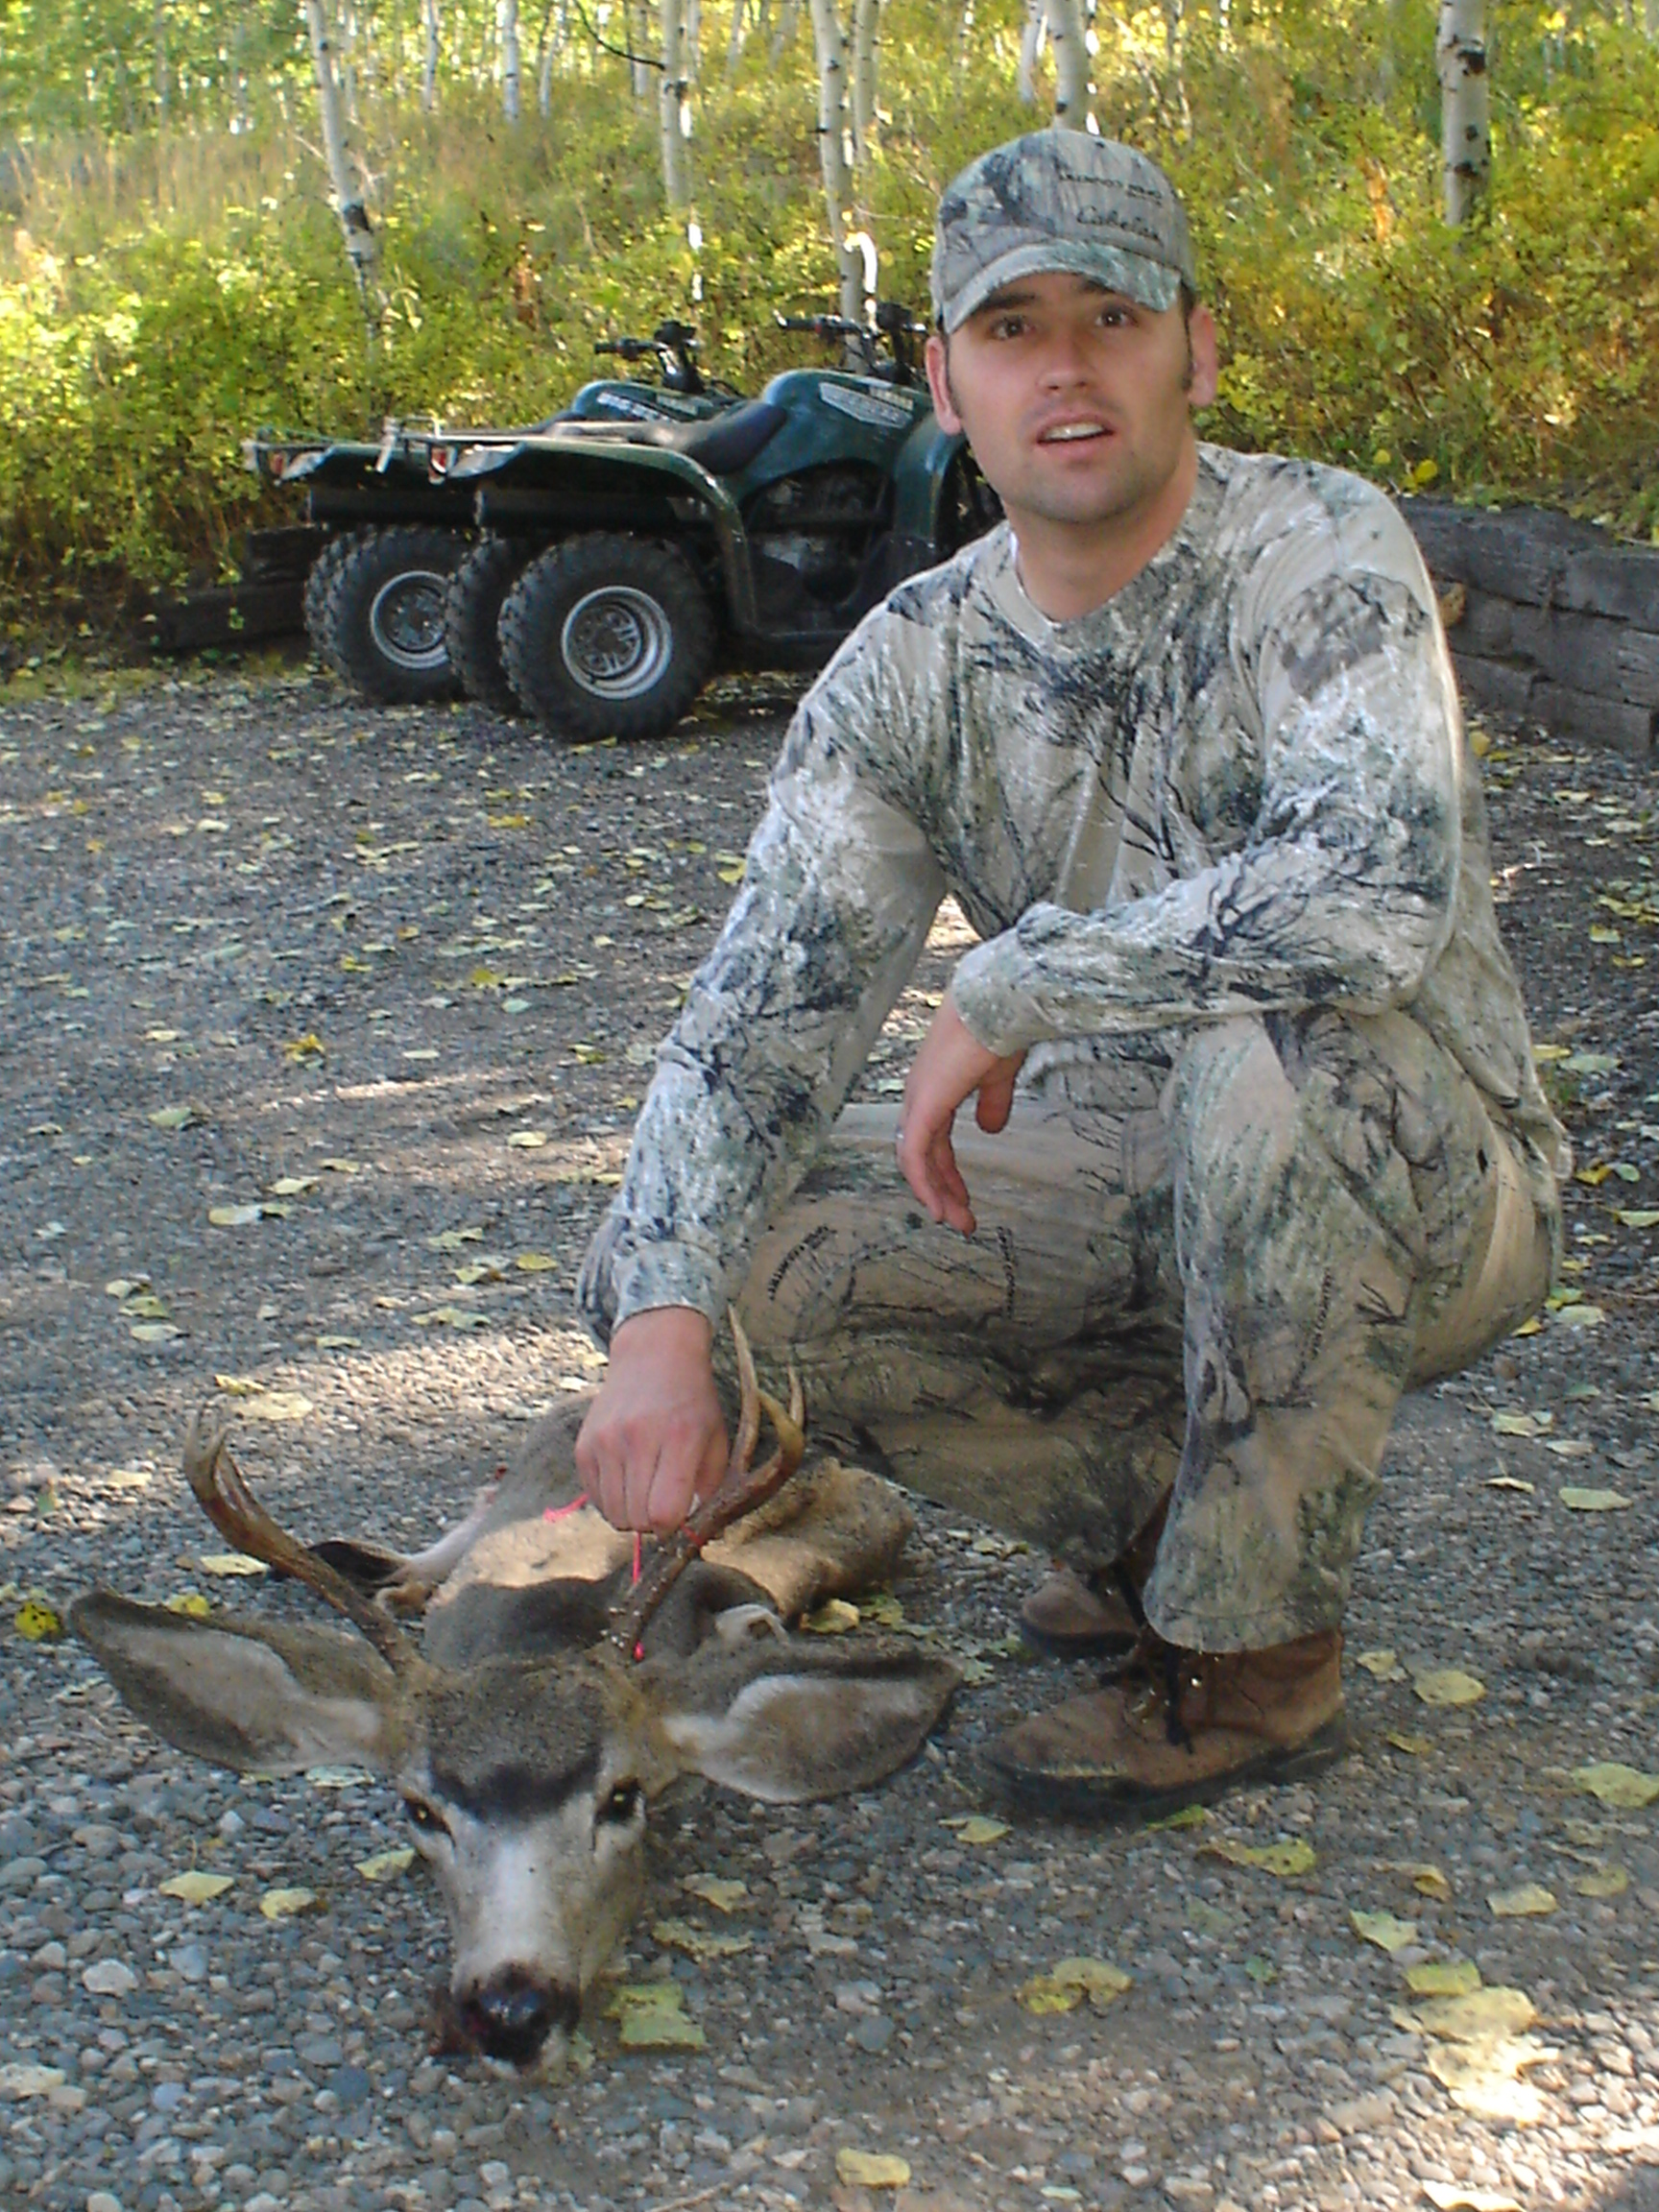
column 1148, row 283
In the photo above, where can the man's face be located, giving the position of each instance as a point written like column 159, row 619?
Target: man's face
column 1075, row 399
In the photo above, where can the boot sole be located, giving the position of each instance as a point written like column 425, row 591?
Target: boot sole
column 1116, row 1797
column 1056, row 1644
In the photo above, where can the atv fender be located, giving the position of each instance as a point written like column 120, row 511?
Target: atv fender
column 561, row 480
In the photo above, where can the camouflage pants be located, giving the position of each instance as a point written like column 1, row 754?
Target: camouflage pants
column 1209, row 1276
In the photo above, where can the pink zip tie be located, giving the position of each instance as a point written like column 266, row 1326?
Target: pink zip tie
column 561, row 1512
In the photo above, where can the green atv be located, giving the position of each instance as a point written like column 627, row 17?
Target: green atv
column 758, row 536
column 395, row 600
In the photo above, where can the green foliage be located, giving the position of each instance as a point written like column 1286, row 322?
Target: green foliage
column 174, row 285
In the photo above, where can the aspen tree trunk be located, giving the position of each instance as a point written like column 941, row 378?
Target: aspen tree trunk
column 362, row 248
column 673, row 107
column 735, row 43
column 1032, row 40
column 637, row 24
column 1068, row 37
column 506, row 28
column 788, row 23
column 1465, row 98
column 835, row 151
column 866, row 71
column 693, row 40
column 431, row 26
column 550, row 43
column 161, row 62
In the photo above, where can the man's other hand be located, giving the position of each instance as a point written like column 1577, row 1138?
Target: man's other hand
column 951, row 1065
column 655, row 1439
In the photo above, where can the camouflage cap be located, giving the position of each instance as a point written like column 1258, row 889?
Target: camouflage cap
column 1059, row 200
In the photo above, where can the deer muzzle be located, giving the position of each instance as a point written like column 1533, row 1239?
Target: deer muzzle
column 511, row 2016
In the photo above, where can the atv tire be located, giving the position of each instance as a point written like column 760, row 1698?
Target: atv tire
column 381, row 619
column 319, row 582
column 607, row 636
column 472, row 621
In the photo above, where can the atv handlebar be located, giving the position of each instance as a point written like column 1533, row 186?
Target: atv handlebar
column 893, row 321
column 672, row 346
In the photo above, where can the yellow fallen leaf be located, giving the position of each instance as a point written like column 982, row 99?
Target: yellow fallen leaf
column 1066, row 1985
column 238, row 1386
column 387, row 1866
column 1458, row 2197
column 700, row 1943
column 291, row 1185
column 534, row 1263
column 1282, row 1859
column 1568, row 1446
column 1578, row 1500
column 1637, row 1216
column 155, row 1333
column 1419, row 1746
column 979, row 1829
column 277, row 1406
column 191, row 1603
column 288, row 1904
column 651, row 2017
column 1448, row 1686
column 310, row 1047
column 1531, row 1901
column 1472, row 2016
column 342, row 1167
column 1518, row 1423
column 234, row 1216
column 196, row 1888
column 1383, row 1664
column 1603, row 1882
column 172, row 1117
column 1484, row 2079
column 724, row 1897
column 1531, row 1327
column 230, row 1563
column 833, row 1618
column 36, row 1622
column 452, row 1318
column 871, row 2170
column 1383, row 1930
column 1189, row 1816
column 1580, row 1315
column 1443, row 1978
column 1622, row 1787
column 883, row 1609
column 452, row 1240
column 1511, row 1482
column 527, row 1140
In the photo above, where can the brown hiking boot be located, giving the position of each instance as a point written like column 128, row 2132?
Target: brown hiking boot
column 1069, row 1618
column 1096, row 1616
column 1180, row 1727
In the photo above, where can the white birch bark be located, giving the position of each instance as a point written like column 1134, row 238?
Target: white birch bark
column 1465, row 100
column 544, row 63
column 1032, row 40
column 507, row 38
column 431, row 29
column 834, row 151
column 673, row 106
column 362, row 248
column 866, row 71
column 1069, row 38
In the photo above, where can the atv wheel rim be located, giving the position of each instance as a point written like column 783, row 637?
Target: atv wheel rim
column 616, row 642
column 406, row 621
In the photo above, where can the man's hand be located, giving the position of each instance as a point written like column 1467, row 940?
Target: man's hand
column 950, row 1066
column 655, row 1439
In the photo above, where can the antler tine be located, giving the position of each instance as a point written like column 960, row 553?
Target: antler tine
column 222, row 1491
column 749, row 1406
column 742, row 1490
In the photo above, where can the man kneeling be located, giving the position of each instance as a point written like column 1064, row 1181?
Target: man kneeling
column 1260, row 1141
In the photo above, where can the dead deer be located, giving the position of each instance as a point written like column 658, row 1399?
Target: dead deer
column 544, row 1711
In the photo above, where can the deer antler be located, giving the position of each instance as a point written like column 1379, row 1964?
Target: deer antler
column 223, row 1495
column 742, row 1489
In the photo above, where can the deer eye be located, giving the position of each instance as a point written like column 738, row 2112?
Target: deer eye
column 425, row 1818
column 621, row 1804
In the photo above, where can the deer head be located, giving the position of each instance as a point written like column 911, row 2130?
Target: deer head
column 527, row 1775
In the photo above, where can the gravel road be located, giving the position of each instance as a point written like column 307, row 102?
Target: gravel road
column 379, row 991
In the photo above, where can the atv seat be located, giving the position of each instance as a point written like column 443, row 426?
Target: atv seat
column 724, row 445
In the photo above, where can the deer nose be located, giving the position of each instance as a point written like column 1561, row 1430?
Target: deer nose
column 513, row 2016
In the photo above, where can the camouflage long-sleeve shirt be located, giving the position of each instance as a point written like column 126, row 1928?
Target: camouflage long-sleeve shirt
column 1240, row 785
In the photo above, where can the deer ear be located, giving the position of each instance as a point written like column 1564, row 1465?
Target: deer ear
column 785, row 1719
column 238, row 1694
